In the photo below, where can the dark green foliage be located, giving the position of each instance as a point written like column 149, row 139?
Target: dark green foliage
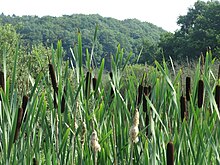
column 199, row 29
column 131, row 33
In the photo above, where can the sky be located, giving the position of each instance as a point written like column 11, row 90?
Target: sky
column 163, row 13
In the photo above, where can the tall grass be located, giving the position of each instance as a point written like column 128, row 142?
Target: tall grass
column 62, row 134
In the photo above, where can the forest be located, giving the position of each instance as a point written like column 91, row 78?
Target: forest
column 88, row 90
column 199, row 29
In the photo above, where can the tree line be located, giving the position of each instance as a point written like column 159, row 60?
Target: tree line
column 199, row 29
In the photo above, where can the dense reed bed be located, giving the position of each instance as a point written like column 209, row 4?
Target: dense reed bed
column 74, row 116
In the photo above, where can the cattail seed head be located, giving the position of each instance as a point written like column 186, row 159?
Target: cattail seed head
column 53, row 77
column 217, row 96
column 188, row 88
column 170, row 154
column 19, row 122
column 24, row 105
column 94, row 142
column 111, row 75
column 144, row 99
column 83, row 133
column 55, row 99
column 2, row 81
column 134, row 130
column 139, row 95
column 94, row 82
column 63, row 101
column 183, row 107
column 200, row 93
column 136, row 118
column 35, row 162
column 88, row 83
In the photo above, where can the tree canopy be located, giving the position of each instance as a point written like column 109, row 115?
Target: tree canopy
column 131, row 34
column 199, row 29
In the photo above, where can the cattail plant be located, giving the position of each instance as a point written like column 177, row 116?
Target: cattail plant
column 24, row 105
column 94, row 83
column 35, row 162
column 188, row 88
column 95, row 145
column 112, row 90
column 147, row 123
column 134, row 128
column 170, row 153
column 217, row 96
column 19, row 122
column 63, row 101
column 139, row 95
column 200, row 93
column 83, row 133
column 88, row 83
column 53, row 77
column 2, row 82
column 94, row 142
column 183, row 107
column 145, row 93
column 54, row 83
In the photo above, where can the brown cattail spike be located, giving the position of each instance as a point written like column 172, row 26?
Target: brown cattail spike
column 24, row 105
column 63, row 101
column 200, row 93
column 170, row 154
column 147, row 123
column 112, row 90
column 55, row 99
column 19, row 121
column 35, row 161
column 111, row 75
column 94, row 82
column 144, row 99
column 188, row 88
column 139, row 95
column 2, row 81
column 183, row 107
column 88, row 83
column 217, row 96
column 53, row 77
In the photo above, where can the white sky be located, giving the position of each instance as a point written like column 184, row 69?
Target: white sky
column 163, row 13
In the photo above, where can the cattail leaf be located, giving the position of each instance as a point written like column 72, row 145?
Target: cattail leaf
column 64, row 139
column 157, row 115
column 211, row 97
